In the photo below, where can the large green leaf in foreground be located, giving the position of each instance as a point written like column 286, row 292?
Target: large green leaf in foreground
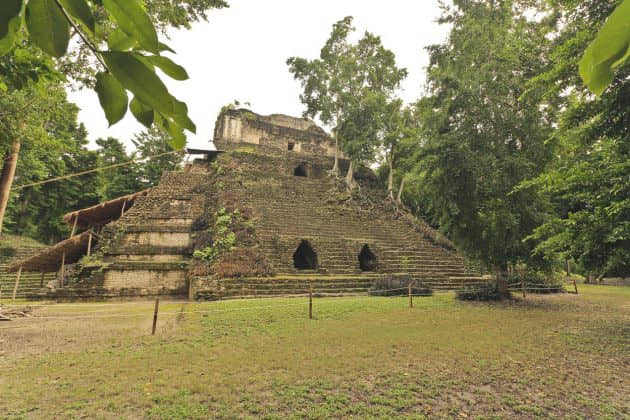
column 112, row 96
column 10, row 21
column 609, row 50
column 48, row 27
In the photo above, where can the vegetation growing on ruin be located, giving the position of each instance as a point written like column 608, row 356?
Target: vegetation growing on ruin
column 229, row 252
column 223, row 238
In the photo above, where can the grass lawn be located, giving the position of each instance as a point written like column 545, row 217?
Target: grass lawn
column 559, row 356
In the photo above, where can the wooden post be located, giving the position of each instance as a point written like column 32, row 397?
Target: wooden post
column 575, row 285
column 74, row 226
column 17, row 282
column 155, row 314
column 310, row 303
column 89, row 250
column 410, row 295
column 62, row 269
column 41, row 281
column 523, row 287
column 122, row 211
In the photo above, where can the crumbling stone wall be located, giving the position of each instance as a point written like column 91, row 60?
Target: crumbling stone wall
column 282, row 132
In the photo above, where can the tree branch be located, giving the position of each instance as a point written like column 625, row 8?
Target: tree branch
column 82, row 36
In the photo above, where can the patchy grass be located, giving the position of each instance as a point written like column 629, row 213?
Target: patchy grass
column 14, row 241
column 563, row 356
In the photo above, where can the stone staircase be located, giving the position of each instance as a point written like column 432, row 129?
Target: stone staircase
column 288, row 209
column 30, row 283
column 147, row 251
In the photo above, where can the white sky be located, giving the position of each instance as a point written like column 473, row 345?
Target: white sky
column 241, row 54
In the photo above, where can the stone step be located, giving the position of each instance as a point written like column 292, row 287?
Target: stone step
column 316, row 295
column 146, row 257
column 149, row 250
column 134, row 265
column 141, row 228
column 293, row 286
column 254, row 293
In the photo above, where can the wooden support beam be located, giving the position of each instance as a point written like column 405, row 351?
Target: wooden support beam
column 122, row 211
column 17, row 282
column 89, row 249
column 74, row 225
column 62, row 269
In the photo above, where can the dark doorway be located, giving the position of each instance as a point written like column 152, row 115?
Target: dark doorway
column 291, row 146
column 300, row 170
column 367, row 259
column 305, row 257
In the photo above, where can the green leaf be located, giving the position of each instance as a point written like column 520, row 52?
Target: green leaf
column 169, row 68
column 112, row 96
column 48, row 27
column 9, row 11
column 10, row 22
column 119, row 41
column 178, row 138
column 609, row 50
column 135, row 76
column 180, row 116
column 80, row 10
column 134, row 20
column 143, row 113
column 164, row 47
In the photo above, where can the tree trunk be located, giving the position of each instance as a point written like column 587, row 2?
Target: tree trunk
column 335, row 169
column 502, row 282
column 6, row 179
column 390, row 179
column 400, row 191
column 350, row 176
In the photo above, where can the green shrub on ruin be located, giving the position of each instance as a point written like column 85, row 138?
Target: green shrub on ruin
column 224, row 238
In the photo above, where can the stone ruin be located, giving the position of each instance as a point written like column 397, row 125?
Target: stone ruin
column 262, row 217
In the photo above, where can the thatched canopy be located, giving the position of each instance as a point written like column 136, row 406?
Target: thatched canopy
column 103, row 213
column 49, row 260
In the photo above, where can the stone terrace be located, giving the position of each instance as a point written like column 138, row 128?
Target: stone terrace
column 288, row 209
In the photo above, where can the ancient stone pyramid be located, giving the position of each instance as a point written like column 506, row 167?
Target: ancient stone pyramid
column 297, row 228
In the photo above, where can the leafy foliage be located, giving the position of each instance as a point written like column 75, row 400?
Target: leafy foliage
column 348, row 87
column 130, row 62
column 224, row 239
column 587, row 185
column 610, row 50
column 481, row 138
column 53, row 144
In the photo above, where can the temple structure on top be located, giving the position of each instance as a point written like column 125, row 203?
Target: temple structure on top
column 281, row 132
column 260, row 217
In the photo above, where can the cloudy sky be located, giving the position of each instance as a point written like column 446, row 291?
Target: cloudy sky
column 241, row 54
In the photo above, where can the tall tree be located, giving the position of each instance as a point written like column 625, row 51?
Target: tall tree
column 153, row 146
column 588, row 182
column 344, row 87
column 482, row 137
column 122, row 180
column 52, row 145
column 400, row 137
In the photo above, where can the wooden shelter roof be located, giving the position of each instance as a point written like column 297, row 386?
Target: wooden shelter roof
column 103, row 213
column 49, row 260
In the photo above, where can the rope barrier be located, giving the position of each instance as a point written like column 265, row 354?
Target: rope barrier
column 59, row 178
